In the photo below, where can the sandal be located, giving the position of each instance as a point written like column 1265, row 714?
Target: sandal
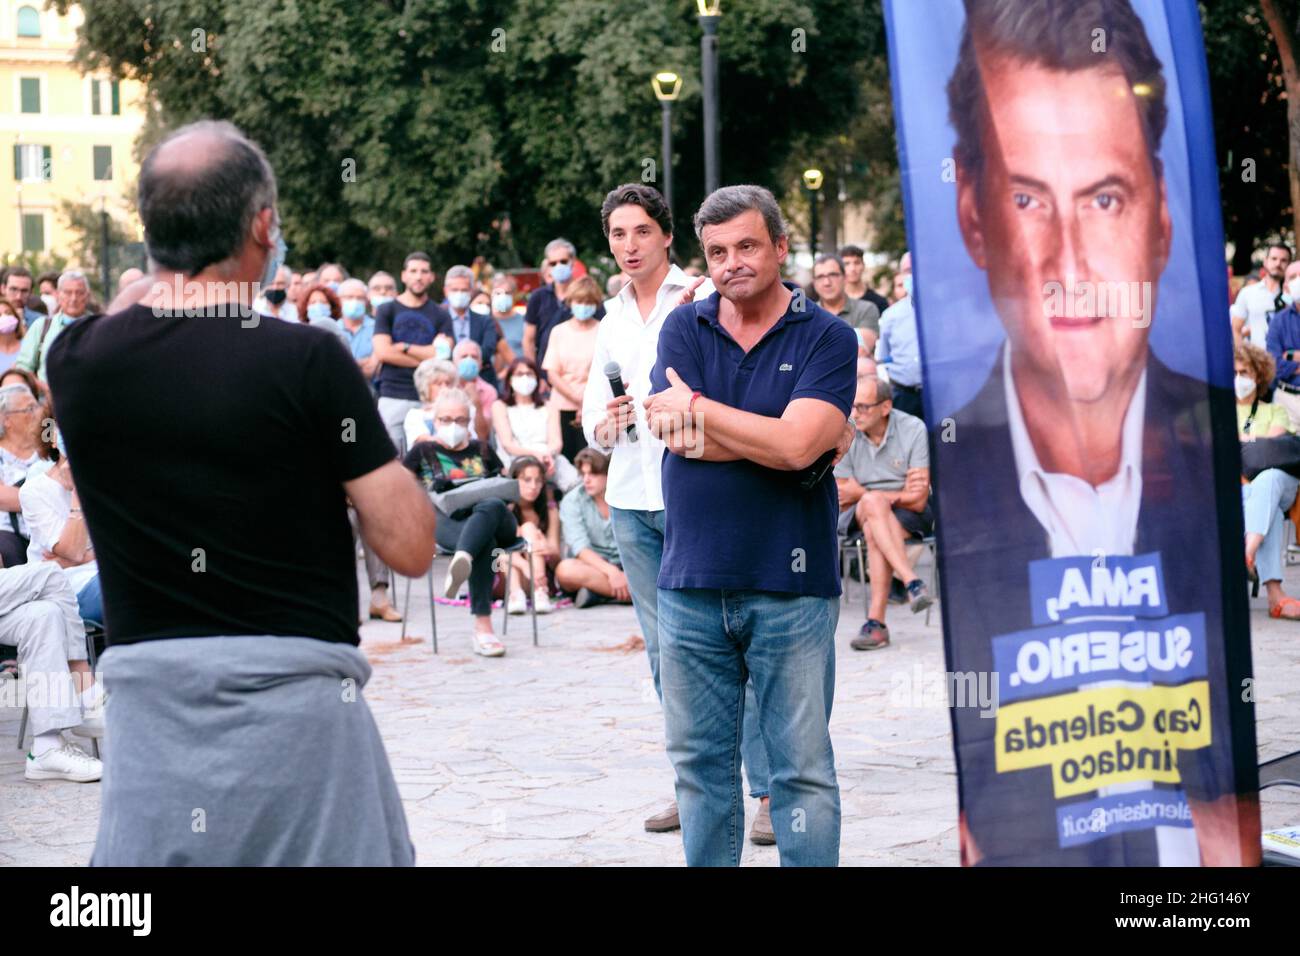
column 487, row 645
column 1281, row 608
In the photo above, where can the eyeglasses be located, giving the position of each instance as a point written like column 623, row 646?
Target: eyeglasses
column 828, row 275
column 862, row 409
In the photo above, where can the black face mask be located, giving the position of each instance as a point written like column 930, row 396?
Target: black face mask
column 275, row 296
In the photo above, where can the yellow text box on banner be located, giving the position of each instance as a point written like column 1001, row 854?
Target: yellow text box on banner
column 1105, row 735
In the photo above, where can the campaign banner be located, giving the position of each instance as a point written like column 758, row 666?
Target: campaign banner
column 1062, row 211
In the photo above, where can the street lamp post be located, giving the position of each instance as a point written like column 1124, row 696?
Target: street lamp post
column 666, row 86
column 710, row 14
column 812, row 178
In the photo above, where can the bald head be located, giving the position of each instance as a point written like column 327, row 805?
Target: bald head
column 200, row 190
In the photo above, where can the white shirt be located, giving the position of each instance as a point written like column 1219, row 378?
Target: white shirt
column 47, row 506
column 1253, row 304
column 1078, row 517
column 635, row 480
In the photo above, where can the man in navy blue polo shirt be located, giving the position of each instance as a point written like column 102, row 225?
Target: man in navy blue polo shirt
column 752, row 385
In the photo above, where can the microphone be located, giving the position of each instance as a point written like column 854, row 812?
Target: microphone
column 614, row 373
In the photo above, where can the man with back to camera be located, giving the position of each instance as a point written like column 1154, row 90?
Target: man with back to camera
column 639, row 226
column 753, row 385
column 1081, row 441
column 219, row 514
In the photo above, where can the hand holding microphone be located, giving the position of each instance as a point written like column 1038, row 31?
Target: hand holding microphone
column 619, row 411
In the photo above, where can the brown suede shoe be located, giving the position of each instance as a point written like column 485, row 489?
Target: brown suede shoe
column 761, row 833
column 665, row 821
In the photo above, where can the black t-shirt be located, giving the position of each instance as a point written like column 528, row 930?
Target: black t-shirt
column 419, row 325
column 210, row 460
column 876, row 299
column 438, row 468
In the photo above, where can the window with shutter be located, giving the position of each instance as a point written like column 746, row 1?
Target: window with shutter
column 30, row 94
column 103, row 162
column 33, row 232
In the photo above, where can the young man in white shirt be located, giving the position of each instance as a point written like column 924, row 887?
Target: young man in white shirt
column 1254, row 302
column 639, row 226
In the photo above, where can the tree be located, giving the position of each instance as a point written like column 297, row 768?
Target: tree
column 1278, row 26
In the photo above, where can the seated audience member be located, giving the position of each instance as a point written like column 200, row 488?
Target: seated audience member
column 538, row 517
column 593, row 568
column 319, row 306
column 1270, row 495
column 11, row 335
column 59, row 533
column 568, row 358
column 473, row 533
column 524, row 424
column 468, row 356
column 431, row 377
column 38, row 615
column 20, row 449
column 884, row 487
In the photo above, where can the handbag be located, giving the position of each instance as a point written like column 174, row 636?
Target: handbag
column 469, row 492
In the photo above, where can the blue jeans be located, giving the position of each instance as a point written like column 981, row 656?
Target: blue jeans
column 640, row 539
column 1264, row 501
column 90, row 603
column 710, row 643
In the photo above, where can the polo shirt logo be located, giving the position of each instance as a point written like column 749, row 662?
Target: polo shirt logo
column 786, row 367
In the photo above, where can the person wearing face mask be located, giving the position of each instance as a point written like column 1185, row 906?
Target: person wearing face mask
column 382, row 288
column 333, row 275
column 358, row 328
column 473, row 533
column 546, row 305
column 11, row 335
column 1268, row 497
column 320, row 307
column 898, row 351
column 568, row 361
column 1284, row 345
column 510, row 323
column 525, row 424
column 469, row 365
column 274, row 302
column 467, row 325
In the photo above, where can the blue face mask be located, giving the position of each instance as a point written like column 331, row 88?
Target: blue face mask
column 502, row 302
column 275, row 259
column 907, row 283
column 353, row 309
column 563, row 272
column 458, row 300
column 378, row 300
column 333, row 286
column 467, row 368
column 318, row 310
column 583, row 310
column 442, row 350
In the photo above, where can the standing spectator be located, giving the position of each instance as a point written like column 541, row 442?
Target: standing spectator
column 48, row 284
column 538, row 517
column 333, row 275
column 899, row 351
column 546, row 304
column 614, row 284
column 828, row 280
column 472, row 533
column 11, row 335
column 218, row 512
column 20, row 415
column 274, row 301
column 1284, row 346
column 525, row 424
column 358, row 328
column 855, row 282
column 404, row 332
column 593, row 568
column 294, row 289
column 738, row 595
column 568, row 361
column 469, row 367
column 510, row 322
column 74, row 294
column 459, row 289
column 884, row 491
column 318, row 306
column 1255, row 301
column 382, row 288
column 18, row 292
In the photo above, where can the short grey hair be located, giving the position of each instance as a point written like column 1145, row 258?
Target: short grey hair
column 199, row 214
column 10, row 396
column 453, row 396
column 725, row 204
column 459, row 272
column 72, row 275
column 380, row 275
column 568, row 247
column 429, row 371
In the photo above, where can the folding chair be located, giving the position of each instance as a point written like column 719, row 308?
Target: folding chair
column 854, row 544
column 520, row 546
column 94, row 637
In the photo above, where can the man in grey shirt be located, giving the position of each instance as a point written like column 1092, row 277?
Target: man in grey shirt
column 828, row 280
column 884, row 487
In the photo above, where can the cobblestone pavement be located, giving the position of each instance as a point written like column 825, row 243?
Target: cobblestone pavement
column 554, row 754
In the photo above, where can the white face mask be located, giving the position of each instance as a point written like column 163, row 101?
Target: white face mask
column 452, row 435
column 1294, row 287
column 51, row 303
column 1244, row 385
column 524, row 384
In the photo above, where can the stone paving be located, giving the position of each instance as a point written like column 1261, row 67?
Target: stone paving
column 554, row 756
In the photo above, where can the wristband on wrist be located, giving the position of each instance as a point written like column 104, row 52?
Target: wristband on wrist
column 690, row 406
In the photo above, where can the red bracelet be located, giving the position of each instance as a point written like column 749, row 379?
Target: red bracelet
column 690, row 406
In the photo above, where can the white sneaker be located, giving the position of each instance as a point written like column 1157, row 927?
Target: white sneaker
column 69, row 762
column 542, row 602
column 457, row 573
column 517, row 604
column 91, row 725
